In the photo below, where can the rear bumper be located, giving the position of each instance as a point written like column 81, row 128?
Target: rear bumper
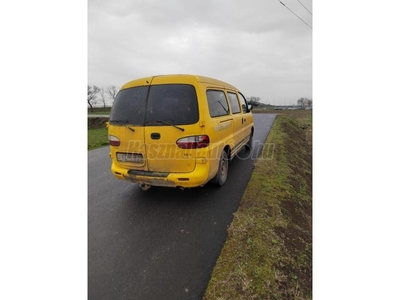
column 198, row 177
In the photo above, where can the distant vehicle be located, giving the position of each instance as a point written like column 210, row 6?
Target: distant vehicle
column 177, row 130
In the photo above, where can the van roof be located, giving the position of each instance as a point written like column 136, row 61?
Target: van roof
column 175, row 78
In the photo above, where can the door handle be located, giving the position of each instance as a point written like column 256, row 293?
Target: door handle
column 155, row 136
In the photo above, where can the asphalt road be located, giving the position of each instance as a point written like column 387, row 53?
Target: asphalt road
column 162, row 243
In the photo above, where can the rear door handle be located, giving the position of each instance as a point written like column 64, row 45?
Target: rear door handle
column 155, row 136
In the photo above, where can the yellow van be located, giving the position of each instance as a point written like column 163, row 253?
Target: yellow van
column 177, row 130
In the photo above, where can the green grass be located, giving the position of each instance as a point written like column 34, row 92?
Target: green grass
column 268, row 252
column 97, row 138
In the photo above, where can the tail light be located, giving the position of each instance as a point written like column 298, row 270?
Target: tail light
column 114, row 141
column 193, row 142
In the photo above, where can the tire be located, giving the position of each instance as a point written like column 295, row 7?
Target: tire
column 223, row 166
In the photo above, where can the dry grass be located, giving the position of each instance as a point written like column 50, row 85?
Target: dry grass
column 268, row 252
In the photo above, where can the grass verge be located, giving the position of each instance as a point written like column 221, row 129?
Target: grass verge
column 268, row 252
column 97, row 138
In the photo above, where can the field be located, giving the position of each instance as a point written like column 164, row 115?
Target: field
column 97, row 133
column 97, row 138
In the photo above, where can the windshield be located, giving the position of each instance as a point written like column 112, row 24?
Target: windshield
column 174, row 104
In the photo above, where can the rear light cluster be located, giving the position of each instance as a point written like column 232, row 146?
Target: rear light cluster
column 193, row 142
column 114, row 141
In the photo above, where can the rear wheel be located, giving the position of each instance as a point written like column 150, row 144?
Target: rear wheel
column 223, row 166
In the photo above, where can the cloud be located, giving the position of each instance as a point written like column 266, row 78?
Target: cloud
column 258, row 46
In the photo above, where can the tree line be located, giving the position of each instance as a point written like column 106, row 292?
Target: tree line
column 97, row 94
column 302, row 102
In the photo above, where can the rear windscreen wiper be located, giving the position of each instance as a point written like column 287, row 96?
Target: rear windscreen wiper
column 167, row 123
column 124, row 123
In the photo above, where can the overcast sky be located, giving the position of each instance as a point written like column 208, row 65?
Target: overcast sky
column 258, row 45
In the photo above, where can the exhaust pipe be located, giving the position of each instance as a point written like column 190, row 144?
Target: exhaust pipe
column 144, row 186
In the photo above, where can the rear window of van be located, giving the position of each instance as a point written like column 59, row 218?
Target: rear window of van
column 172, row 103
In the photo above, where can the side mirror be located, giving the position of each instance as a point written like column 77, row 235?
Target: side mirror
column 249, row 107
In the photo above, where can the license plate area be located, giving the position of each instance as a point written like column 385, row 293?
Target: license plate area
column 130, row 157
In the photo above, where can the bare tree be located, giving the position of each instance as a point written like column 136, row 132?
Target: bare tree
column 92, row 95
column 254, row 99
column 112, row 91
column 303, row 102
column 103, row 97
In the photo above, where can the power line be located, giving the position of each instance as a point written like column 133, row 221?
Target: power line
column 304, row 7
column 294, row 13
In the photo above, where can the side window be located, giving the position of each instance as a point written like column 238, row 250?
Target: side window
column 233, row 100
column 217, row 104
column 243, row 103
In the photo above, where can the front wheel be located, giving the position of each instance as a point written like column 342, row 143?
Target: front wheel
column 222, row 173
